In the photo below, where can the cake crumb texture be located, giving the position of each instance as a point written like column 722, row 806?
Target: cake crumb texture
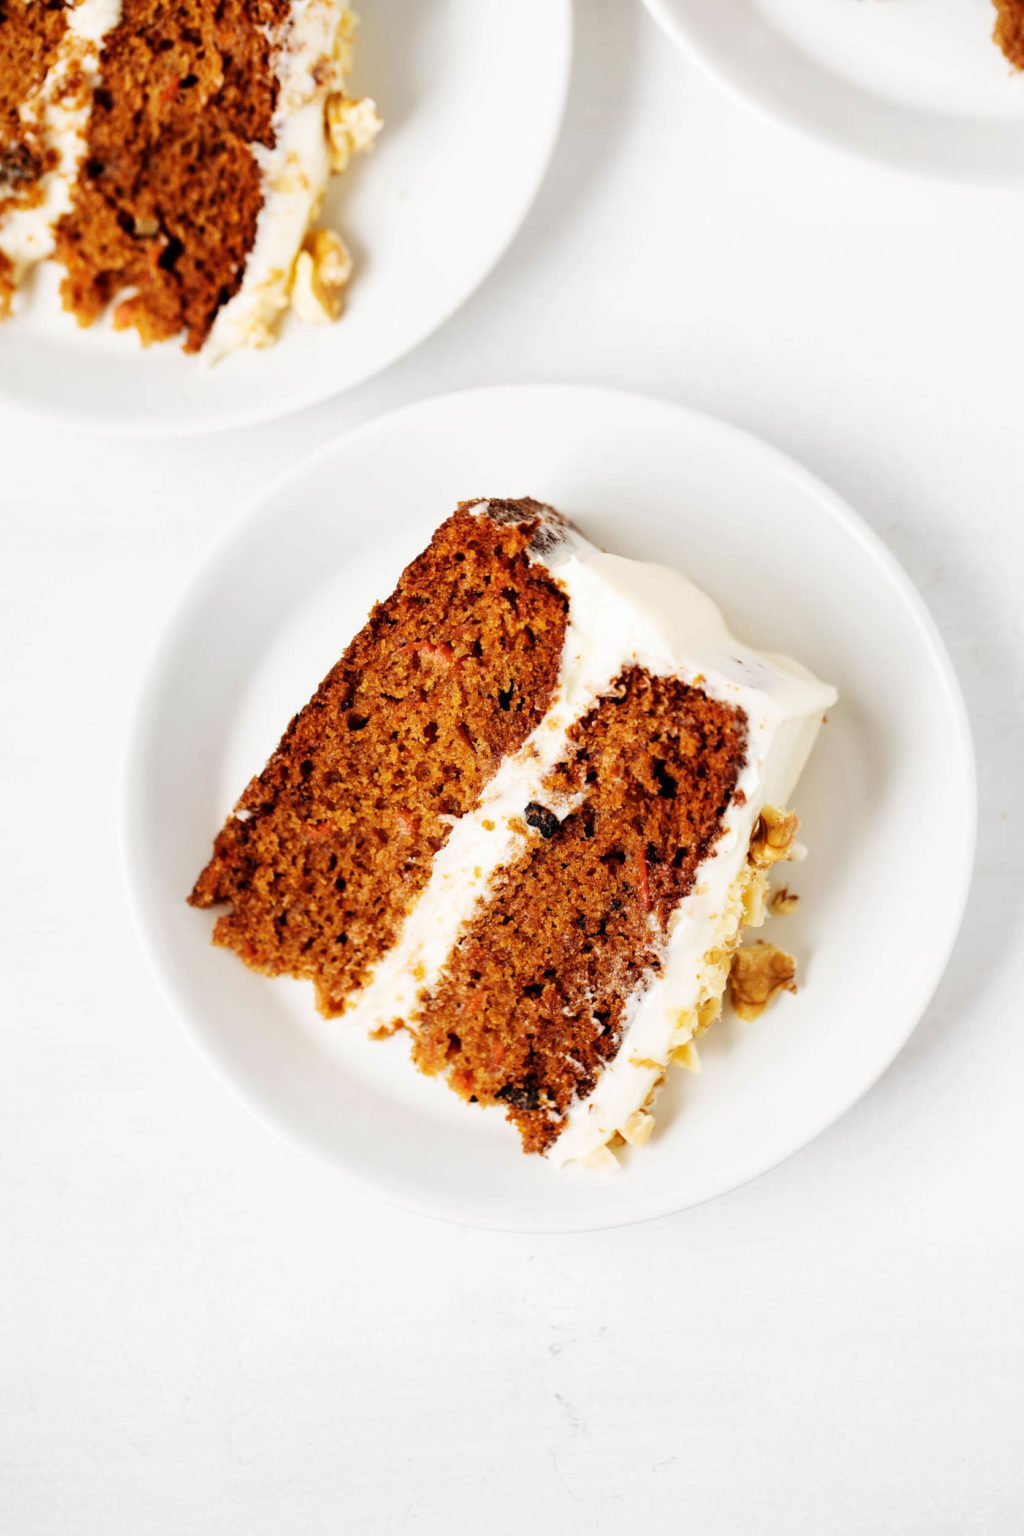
column 332, row 843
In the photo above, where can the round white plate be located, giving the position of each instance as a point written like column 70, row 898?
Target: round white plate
column 794, row 569
column 471, row 92
column 917, row 83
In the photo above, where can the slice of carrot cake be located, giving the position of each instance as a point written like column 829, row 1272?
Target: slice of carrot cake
column 527, row 817
column 173, row 160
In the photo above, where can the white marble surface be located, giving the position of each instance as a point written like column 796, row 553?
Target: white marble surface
column 200, row 1331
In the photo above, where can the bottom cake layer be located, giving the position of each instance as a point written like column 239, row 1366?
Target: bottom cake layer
column 532, row 1004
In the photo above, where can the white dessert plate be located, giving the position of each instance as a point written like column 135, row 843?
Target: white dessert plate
column 794, row 569
column 426, row 215
column 919, row 84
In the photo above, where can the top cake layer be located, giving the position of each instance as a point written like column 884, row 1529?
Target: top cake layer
column 330, row 847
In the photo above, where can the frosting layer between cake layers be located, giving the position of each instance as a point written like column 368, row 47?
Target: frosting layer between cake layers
column 622, row 613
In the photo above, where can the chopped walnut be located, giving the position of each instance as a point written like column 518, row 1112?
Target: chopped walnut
column 758, row 973
column 638, row 1128
column 260, row 335
column 686, row 1056
column 783, row 901
column 754, row 897
column 708, row 1012
column 684, row 1026
column 601, row 1157
column 773, row 838
column 322, row 269
column 344, row 42
column 716, row 959
column 352, row 125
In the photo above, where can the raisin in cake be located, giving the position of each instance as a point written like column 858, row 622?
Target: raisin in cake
column 173, row 159
column 527, row 817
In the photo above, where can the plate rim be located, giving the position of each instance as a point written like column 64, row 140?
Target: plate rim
column 144, row 712
column 560, row 26
column 780, row 110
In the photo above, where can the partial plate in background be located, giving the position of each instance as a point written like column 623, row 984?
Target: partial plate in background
column 918, row 84
column 471, row 93
column 794, row 569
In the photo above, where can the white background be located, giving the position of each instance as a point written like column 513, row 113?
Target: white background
column 204, row 1332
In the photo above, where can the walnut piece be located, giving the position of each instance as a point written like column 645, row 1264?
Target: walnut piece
column 758, row 973
column 783, row 901
column 601, row 1158
column 773, row 837
column 344, row 42
column 686, row 1056
column 352, row 125
column 684, row 1025
column 638, row 1128
column 707, row 1014
column 322, row 269
column 754, row 899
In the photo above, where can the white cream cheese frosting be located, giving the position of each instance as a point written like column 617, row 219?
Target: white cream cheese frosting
column 61, row 109
column 621, row 613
